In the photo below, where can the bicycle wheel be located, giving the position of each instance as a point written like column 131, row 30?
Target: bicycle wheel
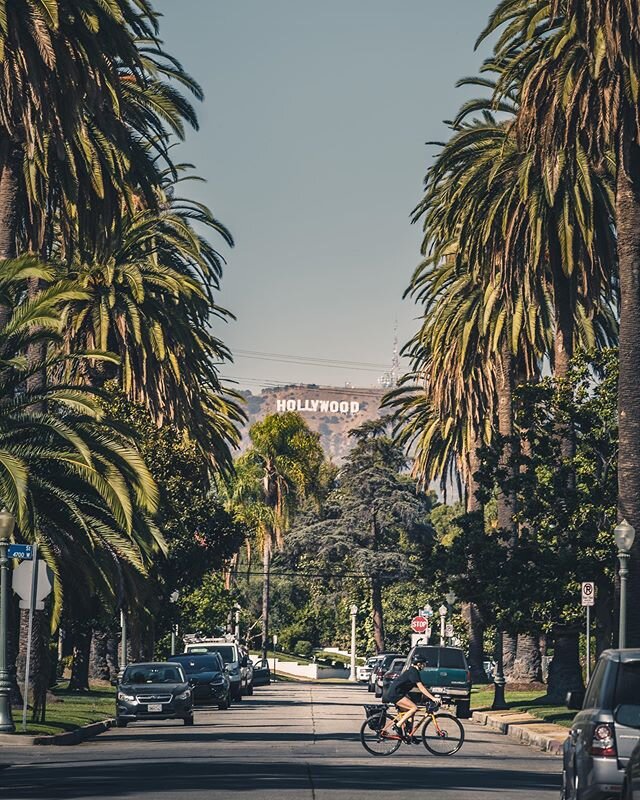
column 443, row 736
column 374, row 740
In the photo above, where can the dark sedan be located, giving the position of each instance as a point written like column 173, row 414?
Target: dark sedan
column 391, row 674
column 207, row 677
column 153, row 691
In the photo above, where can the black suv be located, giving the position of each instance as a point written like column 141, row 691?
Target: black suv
column 384, row 662
column 153, row 691
column 207, row 677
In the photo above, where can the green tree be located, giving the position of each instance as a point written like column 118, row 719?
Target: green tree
column 375, row 521
column 281, row 470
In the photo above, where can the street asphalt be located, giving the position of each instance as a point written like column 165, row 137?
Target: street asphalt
column 290, row 741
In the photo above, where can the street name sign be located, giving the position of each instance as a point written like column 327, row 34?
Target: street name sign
column 22, row 551
column 588, row 593
column 448, row 631
column 419, row 624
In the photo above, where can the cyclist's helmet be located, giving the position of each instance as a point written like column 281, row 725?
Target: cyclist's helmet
column 418, row 659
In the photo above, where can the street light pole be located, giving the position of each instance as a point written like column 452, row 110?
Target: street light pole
column 499, row 702
column 354, row 614
column 624, row 535
column 173, row 599
column 123, row 640
column 6, row 529
column 443, row 616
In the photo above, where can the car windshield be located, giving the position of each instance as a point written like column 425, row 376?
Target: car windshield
column 227, row 651
column 397, row 665
column 452, row 659
column 203, row 663
column 388, row 661
column 153, row 673
column 628, row 684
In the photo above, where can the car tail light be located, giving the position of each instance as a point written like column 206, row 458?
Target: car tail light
column 468, row 676
column 603, row 743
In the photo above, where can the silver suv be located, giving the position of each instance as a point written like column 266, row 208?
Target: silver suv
column 600, row 741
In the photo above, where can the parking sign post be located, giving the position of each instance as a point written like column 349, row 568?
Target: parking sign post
column 588, row 599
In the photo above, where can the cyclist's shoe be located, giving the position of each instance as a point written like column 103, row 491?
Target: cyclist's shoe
column 415, row 740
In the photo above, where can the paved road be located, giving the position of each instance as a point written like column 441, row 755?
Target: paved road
column 287, row 742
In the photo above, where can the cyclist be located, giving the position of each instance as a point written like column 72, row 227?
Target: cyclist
column 399, row 688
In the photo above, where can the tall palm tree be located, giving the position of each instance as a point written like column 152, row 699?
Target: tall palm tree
column 150, row 299
column 274, row 477
column 580, row 85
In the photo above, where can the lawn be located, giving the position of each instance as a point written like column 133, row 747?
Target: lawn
column 73, row 711
column 533, row 702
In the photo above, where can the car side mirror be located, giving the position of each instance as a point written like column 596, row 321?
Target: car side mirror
column 114, row 681
column 575, row 699
column 627, row 715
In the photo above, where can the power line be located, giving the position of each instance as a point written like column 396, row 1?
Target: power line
column 314, row 360
column 346, row 390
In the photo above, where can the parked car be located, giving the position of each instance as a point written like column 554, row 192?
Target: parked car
column 207, row 677
column 363, row 672
column 385, row 661
column 261, row 673
column 371, row 684
column 153, row 691
column 604, row 731
column 234, row 660
column 394, row 670
column 631, row 785
column 447, row 675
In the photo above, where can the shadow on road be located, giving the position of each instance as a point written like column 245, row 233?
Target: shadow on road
column 178, row 778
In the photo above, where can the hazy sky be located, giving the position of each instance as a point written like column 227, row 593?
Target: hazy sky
column 312, row 143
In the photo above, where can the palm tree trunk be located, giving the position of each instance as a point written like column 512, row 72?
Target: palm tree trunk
column 628, row 231
column 9, row 214
column 470, row 612
column 98, row 664
column 527, row 666
column 266, row 581
column 81, row 647
column 565, row 673
column 378, row 618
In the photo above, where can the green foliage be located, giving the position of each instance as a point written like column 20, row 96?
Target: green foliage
column 206, row 608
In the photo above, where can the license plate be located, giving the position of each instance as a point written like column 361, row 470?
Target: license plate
column 435, row 689
column 153, row 707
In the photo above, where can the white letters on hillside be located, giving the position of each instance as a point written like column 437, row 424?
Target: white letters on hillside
column 324, row 406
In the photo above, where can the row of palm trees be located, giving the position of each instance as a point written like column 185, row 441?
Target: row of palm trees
column 531, row 219
column 107, row 274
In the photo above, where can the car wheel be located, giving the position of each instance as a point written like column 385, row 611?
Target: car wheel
column 224, row 705
column 369, row 688
column 378, row 692
column 463, row 709
column 250, row 689
column 122, row 723
column 188, row 720
column 237, row 696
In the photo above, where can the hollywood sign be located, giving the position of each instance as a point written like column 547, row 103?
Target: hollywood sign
column 323, row 406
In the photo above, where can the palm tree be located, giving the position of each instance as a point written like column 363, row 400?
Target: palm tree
column 273, row 478
column 150, row 299
column 579, row 86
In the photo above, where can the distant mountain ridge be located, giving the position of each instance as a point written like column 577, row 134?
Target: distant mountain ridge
column 331, row 411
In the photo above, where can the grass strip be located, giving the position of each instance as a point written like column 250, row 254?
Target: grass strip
column 530, row 701
column 74, row 710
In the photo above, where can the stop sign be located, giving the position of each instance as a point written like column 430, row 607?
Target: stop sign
column 419, row 624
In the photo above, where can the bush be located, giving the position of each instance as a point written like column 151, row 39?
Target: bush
column 304, row 648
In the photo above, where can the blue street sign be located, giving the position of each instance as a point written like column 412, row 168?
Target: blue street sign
column 22, row 551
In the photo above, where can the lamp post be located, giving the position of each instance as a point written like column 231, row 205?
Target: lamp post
column 624, row 535
column 499, row 702
column 354, row 614
column 443, row 616
column 6, row 529
column 428, row 612
column 123, row 640
column 173, row 599
column 451, row 598
column 275, row 658
column 236, row 631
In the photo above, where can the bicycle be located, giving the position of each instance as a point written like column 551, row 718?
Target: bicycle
column 442, row 733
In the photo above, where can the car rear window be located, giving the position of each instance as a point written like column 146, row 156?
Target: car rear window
column 388, row 661
column 429, row 654
column 627, row 684
column 452, row 659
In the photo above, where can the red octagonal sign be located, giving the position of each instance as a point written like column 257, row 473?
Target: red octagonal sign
column 419, row 624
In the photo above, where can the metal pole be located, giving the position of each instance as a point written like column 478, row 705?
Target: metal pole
column 123, row 642
column 624, row 571
column 442, row 624
column 588, row 643
column 237, row 625
column 32, row 606
column 352, row 674
column 173, row 640
column 499, row 702
column 6, row 721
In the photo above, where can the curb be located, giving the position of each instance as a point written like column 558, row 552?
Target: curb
column 524, row 728
column 62, row 739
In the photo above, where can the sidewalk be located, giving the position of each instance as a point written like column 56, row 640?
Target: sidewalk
column 524, row 728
